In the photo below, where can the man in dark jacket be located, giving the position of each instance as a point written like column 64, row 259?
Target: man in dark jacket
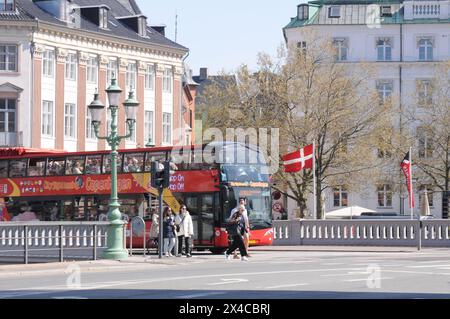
column 236, row 229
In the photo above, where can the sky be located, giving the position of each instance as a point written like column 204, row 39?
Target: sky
column 222, row 35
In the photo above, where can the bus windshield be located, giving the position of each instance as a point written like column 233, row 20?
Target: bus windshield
column 257, row 204
column 245, row 173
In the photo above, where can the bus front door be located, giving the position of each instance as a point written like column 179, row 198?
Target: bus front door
column 200, row 207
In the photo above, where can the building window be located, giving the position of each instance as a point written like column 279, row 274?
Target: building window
column 69, row 120
column 111, row 71
column 425, row 93
column 426, row 146
column 131, row 76
column 384, row 49
column 425, row 49
column 148, row 126
column 7, row 5
column 341, row 47
column 150, row 77
column 340, row 197
column 303, row 12
column 384, row 196
column 90, row 132
column 71, row 67
column 47, row 118
column 334, row 12
column 385, row 11
column 48, row 60
column 167, row 128
column 8, row 57
column 103, row 18
column 167, row 80
column 384, row 89
column 7, row 115
column 302, row 47
column 92, row 70
column 430, row 192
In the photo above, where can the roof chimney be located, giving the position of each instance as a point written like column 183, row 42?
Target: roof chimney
column 203, row 74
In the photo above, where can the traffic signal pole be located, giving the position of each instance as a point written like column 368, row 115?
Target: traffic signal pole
column 161, row 222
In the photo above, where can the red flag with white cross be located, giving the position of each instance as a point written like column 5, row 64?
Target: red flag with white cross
column 299, row 160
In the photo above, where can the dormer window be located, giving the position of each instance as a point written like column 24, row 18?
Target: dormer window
column 334, row 12
column 303, row 12
column 142, row 26
column 103, row 18
column 7, row 5
column 386, row 11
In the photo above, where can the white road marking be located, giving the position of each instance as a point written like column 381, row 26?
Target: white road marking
column 429, row 266
column 70, row 298
column 366, row 279
column 228, row 281
column 287, row 286
column 200, row 295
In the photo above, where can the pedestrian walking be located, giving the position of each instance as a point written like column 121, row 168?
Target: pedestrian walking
column 242, row 202
column 168, row 232
column 154, row 230
column 185, row 230
column 236, row 229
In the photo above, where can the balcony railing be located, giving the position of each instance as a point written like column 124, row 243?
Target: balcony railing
column 11, row 139
column 419, row 9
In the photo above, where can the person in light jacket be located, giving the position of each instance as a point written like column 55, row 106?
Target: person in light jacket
column 185, row 232
column 154, row 228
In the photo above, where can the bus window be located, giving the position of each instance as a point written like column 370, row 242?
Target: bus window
column 93, row 164
column 75, row 166
column 133, row 163
column 17, row 168
column 36, row 167
column 55, row 166
column 107, row 164
column 3, row 169
column 154, row 156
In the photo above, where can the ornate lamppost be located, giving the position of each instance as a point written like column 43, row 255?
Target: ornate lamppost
column 115, row 250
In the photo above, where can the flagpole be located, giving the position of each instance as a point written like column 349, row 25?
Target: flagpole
column 314, row 180
column 411, row 194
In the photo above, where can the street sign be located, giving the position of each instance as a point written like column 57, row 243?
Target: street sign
column 138, row 226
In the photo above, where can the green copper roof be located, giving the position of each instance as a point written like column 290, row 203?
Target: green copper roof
column 354, row 12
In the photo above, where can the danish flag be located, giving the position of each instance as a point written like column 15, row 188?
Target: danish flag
column 299, row 160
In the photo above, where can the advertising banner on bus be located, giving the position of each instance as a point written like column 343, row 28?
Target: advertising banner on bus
column 182, row 181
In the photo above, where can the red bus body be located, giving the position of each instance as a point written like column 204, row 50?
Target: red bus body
column 187, row 185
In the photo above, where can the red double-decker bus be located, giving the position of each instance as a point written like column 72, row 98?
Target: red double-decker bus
column 208, row 179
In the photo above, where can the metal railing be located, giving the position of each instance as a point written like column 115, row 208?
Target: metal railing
column 395, row 233
column 50, row 241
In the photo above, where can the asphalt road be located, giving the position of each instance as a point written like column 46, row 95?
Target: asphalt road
column 268, row 274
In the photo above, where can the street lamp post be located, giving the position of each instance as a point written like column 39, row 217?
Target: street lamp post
column 115, row 250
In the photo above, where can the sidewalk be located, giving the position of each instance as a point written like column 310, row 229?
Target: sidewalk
column 356, row 249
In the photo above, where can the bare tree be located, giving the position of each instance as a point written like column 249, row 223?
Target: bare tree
column 311, row 97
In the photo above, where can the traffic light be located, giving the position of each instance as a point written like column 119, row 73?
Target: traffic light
column 160, row 175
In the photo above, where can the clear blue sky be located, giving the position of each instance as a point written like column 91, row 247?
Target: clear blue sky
column 223, row 34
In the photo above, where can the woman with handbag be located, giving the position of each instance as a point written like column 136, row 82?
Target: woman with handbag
column 236, row 229
column 185, row 230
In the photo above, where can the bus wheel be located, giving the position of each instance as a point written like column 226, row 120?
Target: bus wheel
column 217, row 251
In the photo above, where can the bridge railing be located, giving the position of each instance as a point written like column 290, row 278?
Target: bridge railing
column 396, row 233
column 53, row 240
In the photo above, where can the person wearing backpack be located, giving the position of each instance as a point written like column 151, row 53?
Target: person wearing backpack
column 236, row 229
column 185, row 230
